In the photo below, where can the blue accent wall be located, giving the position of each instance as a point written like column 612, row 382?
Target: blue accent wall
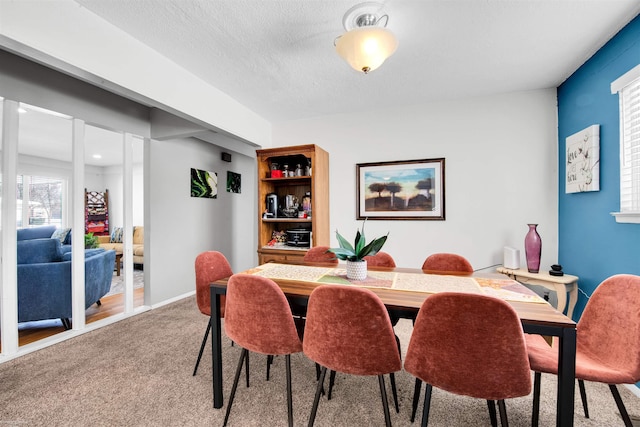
column 591, row 244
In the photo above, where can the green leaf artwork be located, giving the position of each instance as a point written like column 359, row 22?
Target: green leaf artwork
column 204, row 184
column 234, row 182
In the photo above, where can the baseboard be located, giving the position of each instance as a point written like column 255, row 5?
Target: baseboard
column 174, row 299
column 633, row 389
column 71, row 333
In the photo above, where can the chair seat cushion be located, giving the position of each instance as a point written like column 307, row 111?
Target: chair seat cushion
column 544, row 358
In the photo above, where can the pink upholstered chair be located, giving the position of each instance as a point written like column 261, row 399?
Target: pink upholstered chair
column 319, row 254
column 381, row 259
column 447, row 262
column 348, row 330
column 258, row 319
column 471, row 345
column 608, row 342
column 210, row 266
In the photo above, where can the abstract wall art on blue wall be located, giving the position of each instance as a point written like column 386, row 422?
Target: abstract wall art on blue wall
column 583, row 161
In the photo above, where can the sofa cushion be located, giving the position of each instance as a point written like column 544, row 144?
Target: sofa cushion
column 111, row 246
column 138, row 235
column 42, row 232
column 138, row 250
column 87, row 253
column 116, row 235
column 61, row 234
column 36, row 251
column 67, row 240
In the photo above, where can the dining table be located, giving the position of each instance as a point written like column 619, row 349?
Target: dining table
column 403, row 290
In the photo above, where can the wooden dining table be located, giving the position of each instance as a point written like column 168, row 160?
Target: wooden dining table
column 403, row 291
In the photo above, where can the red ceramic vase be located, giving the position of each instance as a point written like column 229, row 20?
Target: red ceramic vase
column 533, row 248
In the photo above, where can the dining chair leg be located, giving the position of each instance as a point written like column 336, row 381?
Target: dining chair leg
column 416, row 398
column 492, row 413
column 583, row 397
column 289, row 391
column 318, row 377
column 385, row 402
column 504, row 421
column 332, row 380
column 427, row 405
column 202, row 346
column 269, row 362
column 620, row 404
column 536, row 399
column 244, row 354
column 246, row 362
column 204, row 343
column 394, row 391
column 314, row 408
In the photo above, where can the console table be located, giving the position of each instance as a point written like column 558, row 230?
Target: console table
column 560, row 284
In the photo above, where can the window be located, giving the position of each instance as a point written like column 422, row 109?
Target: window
column 43, row 196
column 628, row 88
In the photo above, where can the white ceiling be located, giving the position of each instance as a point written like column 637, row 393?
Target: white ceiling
column 277, row 57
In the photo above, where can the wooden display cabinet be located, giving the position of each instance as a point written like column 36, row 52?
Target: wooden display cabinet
column 317, row 184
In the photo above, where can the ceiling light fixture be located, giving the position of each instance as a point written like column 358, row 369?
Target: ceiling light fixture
column 367, row 43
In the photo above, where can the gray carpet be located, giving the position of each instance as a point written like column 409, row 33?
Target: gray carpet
column 137, row 372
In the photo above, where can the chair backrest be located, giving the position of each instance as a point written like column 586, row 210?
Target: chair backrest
column 258, row 316
column 447, row 262
column 471, row 345
column 319, row 254
column 210, row 266
column 348, row 330
column 381, row 259
column 609, row 328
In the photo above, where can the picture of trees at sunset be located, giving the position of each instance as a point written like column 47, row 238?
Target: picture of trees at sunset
column 405, row 189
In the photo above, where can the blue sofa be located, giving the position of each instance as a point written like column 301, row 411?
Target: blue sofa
column 44, row 279
column 43, row 232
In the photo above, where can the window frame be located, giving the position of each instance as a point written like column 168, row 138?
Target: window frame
column 623, row 86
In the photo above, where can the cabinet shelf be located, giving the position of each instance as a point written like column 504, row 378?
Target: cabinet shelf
column 290, row 179
column 316, row 184
column 286, row 220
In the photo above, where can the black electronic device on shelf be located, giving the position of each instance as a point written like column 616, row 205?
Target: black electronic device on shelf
column 556, row 270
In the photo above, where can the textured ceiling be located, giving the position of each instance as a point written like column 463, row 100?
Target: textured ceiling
column 277, row 57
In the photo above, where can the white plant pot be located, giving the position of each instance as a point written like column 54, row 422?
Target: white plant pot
column 357, row 270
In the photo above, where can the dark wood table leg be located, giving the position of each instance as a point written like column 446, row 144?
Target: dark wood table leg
column 566, row 377
column 216, row 347
column 118, row 261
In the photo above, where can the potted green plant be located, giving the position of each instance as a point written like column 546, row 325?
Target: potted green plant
column 354, row 255
column 91, row 241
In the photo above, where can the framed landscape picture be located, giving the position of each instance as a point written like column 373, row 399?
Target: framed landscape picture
column 408, row 189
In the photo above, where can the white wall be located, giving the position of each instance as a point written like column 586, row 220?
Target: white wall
column 182, row 226
column 500, row 172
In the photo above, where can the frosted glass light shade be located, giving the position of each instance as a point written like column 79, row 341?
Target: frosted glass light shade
column 366, row 48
